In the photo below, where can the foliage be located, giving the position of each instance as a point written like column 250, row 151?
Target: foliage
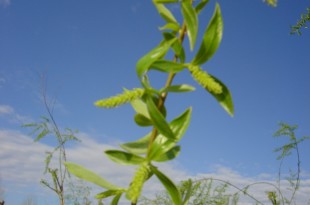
column 286, row 150
column 302, row 23
column 78, row 193
column 48, row 127
column 200, row 192
column 161, row 143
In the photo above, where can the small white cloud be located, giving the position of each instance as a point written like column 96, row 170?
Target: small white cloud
column 5, row 2
column 9, row 113
column 6, row 109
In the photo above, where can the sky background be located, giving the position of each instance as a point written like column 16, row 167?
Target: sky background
column 88, row 50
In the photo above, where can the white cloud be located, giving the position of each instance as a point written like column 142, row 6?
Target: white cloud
column 22, row 163
column 9, row 113
column 5, row 2
column 5, row 109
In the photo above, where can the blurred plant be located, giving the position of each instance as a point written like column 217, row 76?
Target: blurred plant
column 286, row 150
column 272, row 3
column 77, row 192
column 30, row 200
column 48, row 127
column 302, row 23
column 161, row 143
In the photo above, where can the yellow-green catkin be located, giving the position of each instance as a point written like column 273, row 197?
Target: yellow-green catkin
column 135, row 188
column 272, row 3
column 125, row 97
column 205, row 80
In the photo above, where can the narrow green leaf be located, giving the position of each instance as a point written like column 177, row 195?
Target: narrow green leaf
column 166, row 1
column 191, row 20
column 180, row 88
column 169, row 155
column 109, row 193
column 225, row 98
column 116, row 199
column 142, row 121
column 165, row 13
column 171, row 26
column 125, row 158
column 139, row 146
column 159, row 120
column 201, row 5
column 161, row 144
column 89, row 176
column 211, row 39
column 140, row 107
column 188, row 192
column 146, row 61
column 167, row 66
column 177, row 46
column 42, row 134
column 169, row 185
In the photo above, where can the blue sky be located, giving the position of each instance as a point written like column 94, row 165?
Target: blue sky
column 88, row 51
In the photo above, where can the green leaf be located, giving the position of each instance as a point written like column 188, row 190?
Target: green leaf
column 169, row 155
column 166, row 1
column 179, row 88
column 169, row 185
column 125, row 158
column 158, row 119
column 116, row 199
column 142, row 121
column 165, row 13
column 225, row 98
column 171, row 26
column 177, row 46
column 140, row 107
column 167, row 66
column 161, row 145
column 188, row 192
column 191, row 21
column 89, row 176
column 146, row 61
column 42, row 134
column 139, row 146
column 211, row 39
column 109, row 193
column 201, row 5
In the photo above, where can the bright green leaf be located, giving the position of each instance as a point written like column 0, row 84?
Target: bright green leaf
column 171, row 26
column 158, row 119
column 177, row 46
column 89, row 176
column 125, row 158
column 161, row 144
column 142, row 121
column 211, row 39
column 166, row 1
column 169, row 185
column 201, row 5
column 140, row 107
column 180, row 88
column 167, row 66
column 109, row 193
column 139, row 146
column 169, row 155
column 116, row 199
column 191, row 20
column 225, row 98
column 146, row 61
column 165, row 13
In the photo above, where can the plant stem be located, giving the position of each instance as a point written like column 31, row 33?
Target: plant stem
column 164, row 95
